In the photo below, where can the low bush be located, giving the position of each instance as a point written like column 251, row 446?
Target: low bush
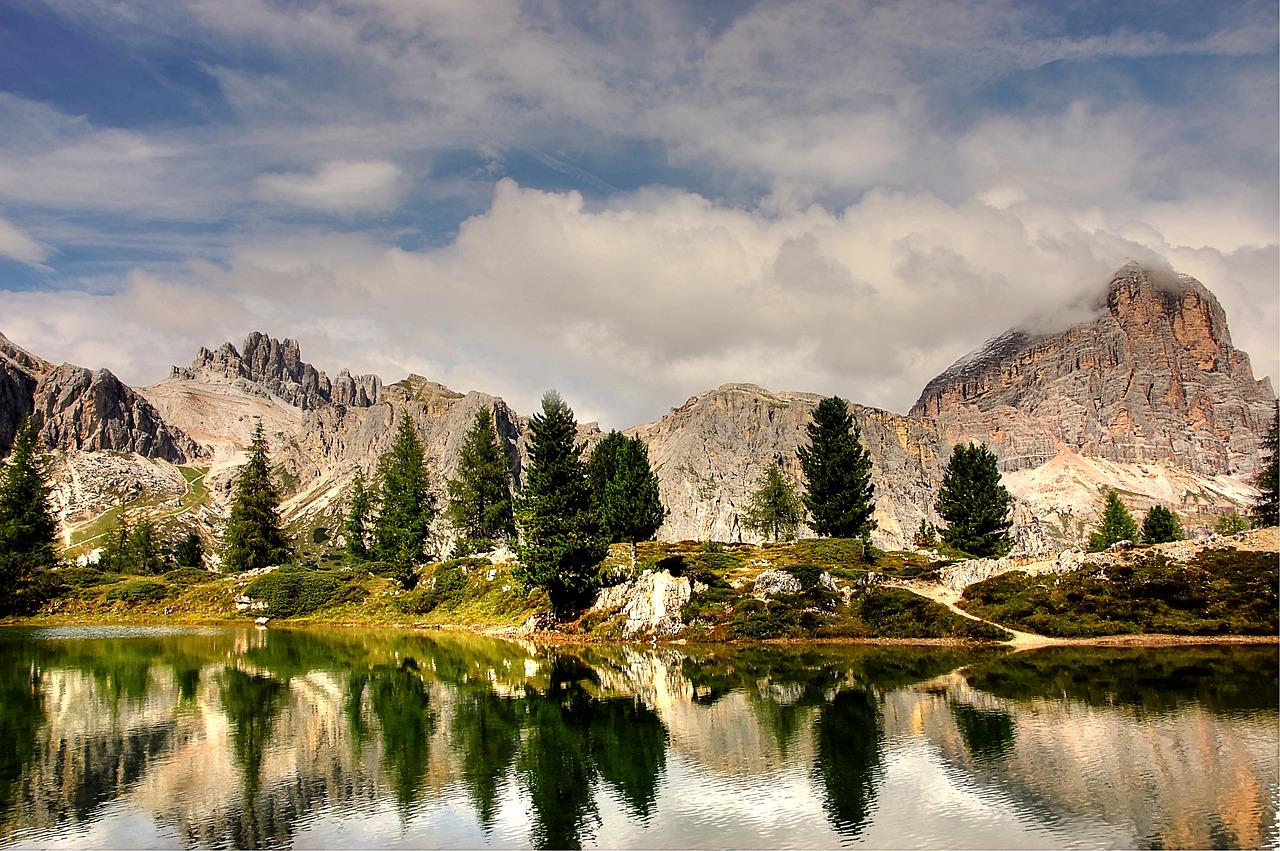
column 188, row 576
column 1219, row 591
column 87, row 577
column 135, row 591
column 296, row 591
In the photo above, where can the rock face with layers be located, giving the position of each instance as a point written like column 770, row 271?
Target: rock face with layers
column 1154, row 378
column 77, row 409
column 711, row 451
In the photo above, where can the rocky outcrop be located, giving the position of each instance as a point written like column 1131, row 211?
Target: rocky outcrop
column 1153, row 378
column 651, row 603
column 77, row 409
column 20, row 372
column 276, row 367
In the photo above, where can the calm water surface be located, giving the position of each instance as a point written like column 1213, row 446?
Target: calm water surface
column 162, row 738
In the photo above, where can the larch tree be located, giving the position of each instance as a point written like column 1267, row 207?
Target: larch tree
column 561, row 543
column 355, row 524
column 1266, row 510
column 480, row 504
column 28, row 529
column 406, row 505
column 1117, row 525
column 253, row 537
column 837, row 467
column 624, row 489
column 975, row 505
column 774, row 510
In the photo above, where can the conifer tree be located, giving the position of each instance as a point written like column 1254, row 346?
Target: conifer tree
column 355, row 525
column 838, row 469
column 190, row 551
column 253, row 538
column 28, row 530
column 406, row 505
column 1266, row 511
column 480, row 506
column 774, row 511
column 974, row 503
column 1117, row 525
column 1161, row 526
column 561, row 543
column 624, row 489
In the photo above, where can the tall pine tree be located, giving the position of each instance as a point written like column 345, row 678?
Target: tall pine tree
column 1266, row 511
column 624, row 489
column 561, row 543
column 1117, row 525
column 28, row 530
column 838, row 469
column 974, row 503
column 253, row 538
column 773, row 510
column 480, row 506
column 406, row 505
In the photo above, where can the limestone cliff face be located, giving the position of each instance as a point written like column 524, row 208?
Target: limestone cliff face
column 273, row 366
column 77, row 409
column 1154, row 378
column 711, row 451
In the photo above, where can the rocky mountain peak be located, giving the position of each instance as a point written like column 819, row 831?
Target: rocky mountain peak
column 267, row 365
column 1154, row 377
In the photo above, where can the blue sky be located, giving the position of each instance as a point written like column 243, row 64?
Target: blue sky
column 628, row 202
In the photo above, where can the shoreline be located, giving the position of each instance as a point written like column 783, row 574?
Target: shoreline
column 1026, row 641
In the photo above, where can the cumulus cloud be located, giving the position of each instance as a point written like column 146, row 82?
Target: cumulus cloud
column 336, row 187
column 863, row 192
column 631, row 307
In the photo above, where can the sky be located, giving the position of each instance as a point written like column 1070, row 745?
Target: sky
column 628, row 202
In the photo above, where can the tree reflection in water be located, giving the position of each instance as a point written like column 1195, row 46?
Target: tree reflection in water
column 849, row 738
column 327, row 730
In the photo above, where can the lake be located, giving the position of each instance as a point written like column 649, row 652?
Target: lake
column 201, row 737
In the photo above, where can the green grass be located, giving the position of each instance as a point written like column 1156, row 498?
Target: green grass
column 1219, row 592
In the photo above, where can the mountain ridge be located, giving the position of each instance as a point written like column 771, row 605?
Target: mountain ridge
column 1151, row 379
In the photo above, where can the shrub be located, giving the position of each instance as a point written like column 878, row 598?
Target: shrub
column 87, row 577
column 136, row 591
column 295, row 591
column 1231, row 524
column 188, row 576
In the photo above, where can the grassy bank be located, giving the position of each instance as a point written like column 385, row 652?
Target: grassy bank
column 838, row 592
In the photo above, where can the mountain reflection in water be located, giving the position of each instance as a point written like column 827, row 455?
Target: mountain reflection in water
column 256, row 738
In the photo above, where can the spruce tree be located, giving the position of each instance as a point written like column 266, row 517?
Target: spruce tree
column 190, row 551
column 480, row 506
column 1161, row 526
column 406, row 505
column 355, row 525
column 28, row 530
column 773, row 510
column 1117, row 525
column 561, row 542
column 974, row 504
column 624, row 489
column 1266, row 511
column 253, row 538
column 838, row 469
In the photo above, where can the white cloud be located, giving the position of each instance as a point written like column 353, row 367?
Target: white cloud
column 629, row 309
column 17, row 245
column 337, row 187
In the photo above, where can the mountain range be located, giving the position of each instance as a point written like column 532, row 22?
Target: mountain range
column 1147, row 395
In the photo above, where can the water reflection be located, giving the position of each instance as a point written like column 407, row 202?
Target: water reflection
column 271, row 738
